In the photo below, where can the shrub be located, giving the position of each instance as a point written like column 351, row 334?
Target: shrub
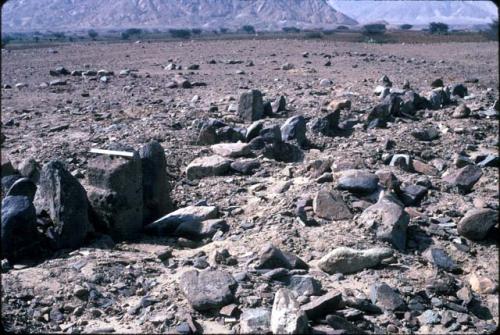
column 125, row 35
column 374, row 29
column 328, row 32
column 180, row 33
column 59, row 35
column 223, row 30
column 291, row 30
column 92, row 34
column 438, row 28
column 248, row 29
column 313, row 34
column 196, row 31
column 406, row 26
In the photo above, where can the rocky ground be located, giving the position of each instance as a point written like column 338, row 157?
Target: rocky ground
column 363, row 213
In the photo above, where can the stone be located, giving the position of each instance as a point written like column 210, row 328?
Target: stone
column 286, row 315
column 357, row 181
column 465, row 295
column 327, row 125
column 287, row 66
column 476, row 223
column 388, row 180
column 279, row 105
column 437, row 83
column 404, row 162
column 330, row 205
column 429, row 317
column 482, row 285
column 459, row 90
column 182, row 82
column 340, row 324
column 208, row 289
column 426, row 134
column 65, row 201
column 255, row 321
column 294, row 128
column 245, row 166
column 347, row 260
column 325, row 82
column 232, row 150
column 254, row 130
column 19, row 233
column 386, row 298
column 7, row 168
column 8, row 181
column 362, row 304
column 304, row 285
column 424, row 168
column 207, row 135
column 271, row 258
column 461, row 112
column 439, row 258
column 323, row 305
column 208, row 166
column 465, row 178
column 384, row 80
column 30, row 168
column 336, row 105
column 389, row 220
column 283, row 152
column 116, row 195
column 189, row 215
column 250, row 106
column 230, row 134
column 24, row 187
column 270, row 133
column 438, row 98
column 58, row 82
column 197, row 230
column 411, row 195
column 155, row 182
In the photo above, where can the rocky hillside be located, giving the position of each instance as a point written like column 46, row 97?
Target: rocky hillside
column 419, row 12
column 26, row 15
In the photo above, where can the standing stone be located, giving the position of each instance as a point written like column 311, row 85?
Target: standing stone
column 294, row 128
column 116, row 195
column 65, row 200
column 330, row 206
column 251, row 107
column 19, row 233
column 348, row 260
column 286, row 315
column 207, row 289
column 155, row 183
column 255, row 321
column 279, row 105
column 389, row 220
column 477, row 222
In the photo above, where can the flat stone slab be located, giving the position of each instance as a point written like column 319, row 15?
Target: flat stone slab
column 232, row 150
column 207, row 167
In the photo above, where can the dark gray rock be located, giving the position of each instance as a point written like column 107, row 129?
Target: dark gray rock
column 426, row 134
column 459, row 90
column 187, row 216
column 245, row 166
column 155, row 182
column 271, row 258
column 389, row 220
column 19, row 234
column 208, row 289
column 386, row 298
column 437, row 83
column 207, row 135
column 412, row 195
column 65, row 200
column 327, row 125
column 330, row 206
column 24, row 187
column 476, row 223
column 465, row 178
column 8, row 181
column 357, row 181
column 439, row 258
column 283, row 152
column 116, row 195
column 254, row 130
column 294, row 128
column 279, row 105
column 338, row 323
column 250, row 106
column 268, row 109
column 323, row 305
column 230, row 134
column 197, row 230
column 270, row 133
column 304, row 285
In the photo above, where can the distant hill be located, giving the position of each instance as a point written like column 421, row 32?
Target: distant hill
column 419, row 12
column 60, row 15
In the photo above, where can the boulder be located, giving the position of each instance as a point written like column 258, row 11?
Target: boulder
column 304, row 285
column 65, row 201
column 389, row 220
column 208, row 289
column 330, row 205
column 294, row 128
column 190, row 215
column 357, row 181
column 19, row 233
column 459, row 90
column 116, row 195
column 476, row 223
column 232, row 150
column 348, row 260
column 155, row 182
column 386, row 298
column 250, row 106
column 286, row 315
column 342, row 326
column 323, row 305
column 465, row 178
column 207, row 166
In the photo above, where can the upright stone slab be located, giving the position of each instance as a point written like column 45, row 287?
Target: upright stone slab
column 155, row 182
column 63, row 197
column 116, row 195
column 251, row 106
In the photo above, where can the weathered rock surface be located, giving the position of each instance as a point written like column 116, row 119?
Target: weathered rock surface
column 323, row 305
column 476, row 223
column 207, row 166
column 188, row 215
column 255, row 321
column 286, row 315
column 465, row 178
column 348, row 260
column 386, row 298
column 232, row 150
column 330, row 205
column 357, row 181
column 250, row 106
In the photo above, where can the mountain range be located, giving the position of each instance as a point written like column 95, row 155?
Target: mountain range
column 29, row 15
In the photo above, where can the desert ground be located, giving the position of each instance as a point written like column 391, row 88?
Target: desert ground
column 441, row 281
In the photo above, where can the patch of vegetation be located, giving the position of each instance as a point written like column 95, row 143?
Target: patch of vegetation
column 438, row 28
column 374, row 29
column 406, row 26
column 125, row 35
column 291, row 30
column 223, row 30
column 196, row 31
column 180, row 33
column 92, row 34
column 248, row 29
column 313, row 35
